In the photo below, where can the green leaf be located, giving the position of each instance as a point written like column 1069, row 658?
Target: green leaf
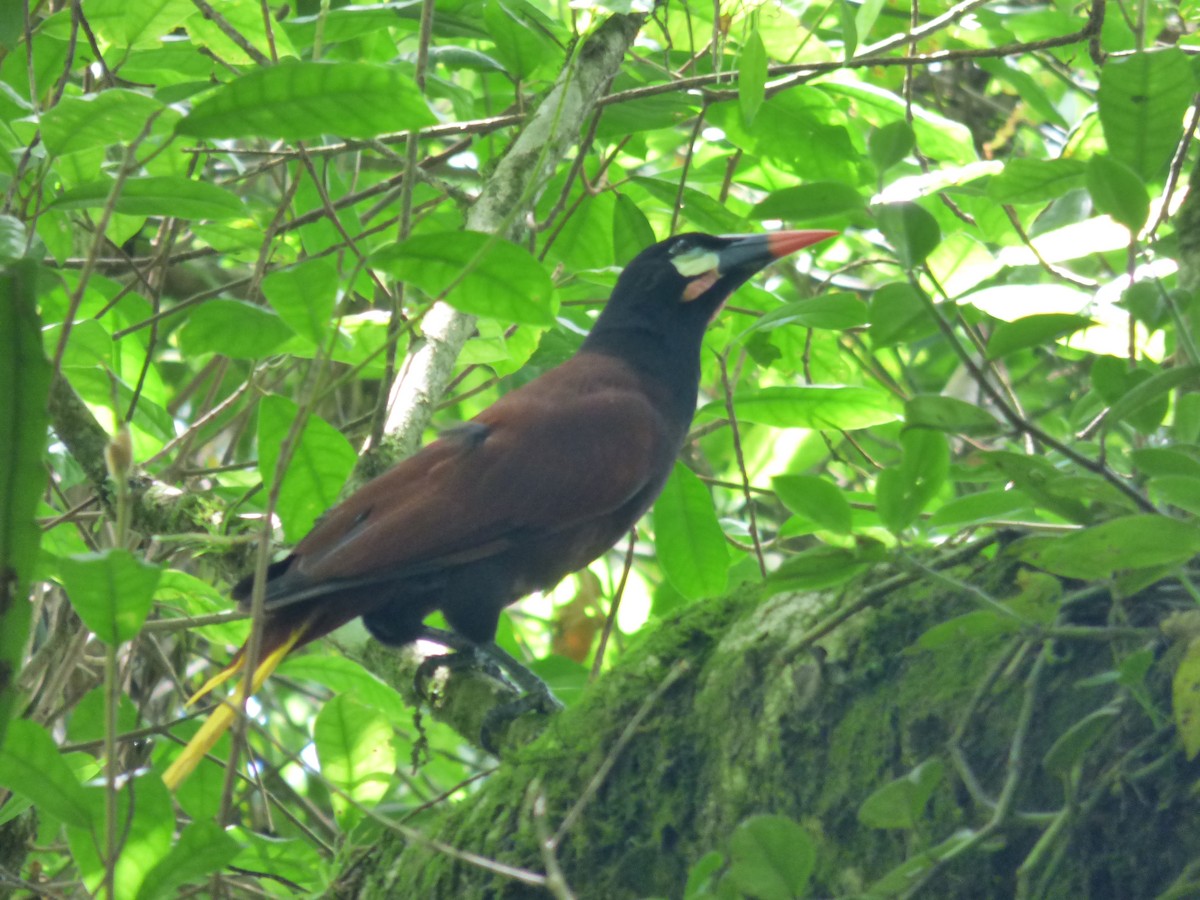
column 631, row 230
column 815, row 498
column 822, row 567
column 304, row 297
column 806, row 202
column 688, row 539
column 978, row 624
column 844, row 407
column 1149, row 390
column 346, row 676
column 24, row 386
column 699, row 210
column 1182, row 491
column 112, row 591
column 320, row 463
column 1185, row 699
column 354, row 744
column 865, row 18
column 31, row 767
column 146, row 826
column 752, row 77
column 977, row 508
column 300, row 100
column 110, row 117
column 478, row 273
column 771, row 858
column 901, row 803
column 1067, row 752
column 1118, row 191
column 137, row 25
column 159, row 195
column 522, row 36
column 700, row 878
column 835, row 312
column 949, row 414
column 899, row 315
column 903, row 491
column 202, row 849
column 911, row 231
column 1142, row 99
column 890, row 143
column 1027, row 180
column 1129, row 542
column 1033, row 331
column 234, row 329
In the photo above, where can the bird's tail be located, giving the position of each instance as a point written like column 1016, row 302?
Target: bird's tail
column 275, row 648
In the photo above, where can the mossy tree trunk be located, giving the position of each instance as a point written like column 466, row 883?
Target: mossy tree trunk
column 734, row 708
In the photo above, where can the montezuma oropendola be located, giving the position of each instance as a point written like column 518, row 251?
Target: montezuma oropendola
column 533, row 488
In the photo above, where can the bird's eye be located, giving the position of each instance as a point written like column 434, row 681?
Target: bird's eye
column 681, row 246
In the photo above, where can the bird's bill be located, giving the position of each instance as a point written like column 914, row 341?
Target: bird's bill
column 755, row 251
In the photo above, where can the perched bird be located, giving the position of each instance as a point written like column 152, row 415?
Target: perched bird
column 533, row 488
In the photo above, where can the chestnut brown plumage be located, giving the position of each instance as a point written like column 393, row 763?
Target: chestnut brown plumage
column 533, row 488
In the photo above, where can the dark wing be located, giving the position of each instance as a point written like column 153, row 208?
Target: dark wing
column 571, row 446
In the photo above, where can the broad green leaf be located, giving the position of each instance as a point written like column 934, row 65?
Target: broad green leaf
column 939, row 137
column 158, row 195
column 843, row 407
column 304, row 297
column 973, row 509
column 899, row 315
column 1185, row 699
column 346, row 676
column 1176, row 460
column 822, row 567
column 631, row 231
column 699, row 210
column 109, row 117
column 1182, row 491
column 1067, row 752
column 901, row 803
column 912, row 232
column 248, row 22
column 771, row 858
column 1026, row 180
column 975, row 625
column 814, row 498
column 234, row 329
column 1033, row 331
column 752, row 77
column 949, row 414
column 24, row 386
column 835, row 312
column 137, row 25
column 903, row 491
column 202, row 849
column 1142, row 99
column 1129, row 542
column 701, row 876
column 806, row 202
column 31, row 767
column 1117, row 190
column 898, row 881
column 522, row 36
column 866, row 16
column 301, row 100
column 688, row 539
column 354, row 744
column 145, row 826
column 320, row 463
column 112, row 591
column 1149, row 390
column 477, row 273
column 890, row 143
column 299, row 862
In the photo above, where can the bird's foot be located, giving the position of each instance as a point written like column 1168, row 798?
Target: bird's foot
column 468, row 658
column 499, row 718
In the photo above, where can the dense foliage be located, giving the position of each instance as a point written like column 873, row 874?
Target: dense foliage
column 226, row 226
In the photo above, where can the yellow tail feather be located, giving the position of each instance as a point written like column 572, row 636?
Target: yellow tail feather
column 221, row 718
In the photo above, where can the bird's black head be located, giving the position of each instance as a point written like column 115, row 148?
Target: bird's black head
column 675, row 288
